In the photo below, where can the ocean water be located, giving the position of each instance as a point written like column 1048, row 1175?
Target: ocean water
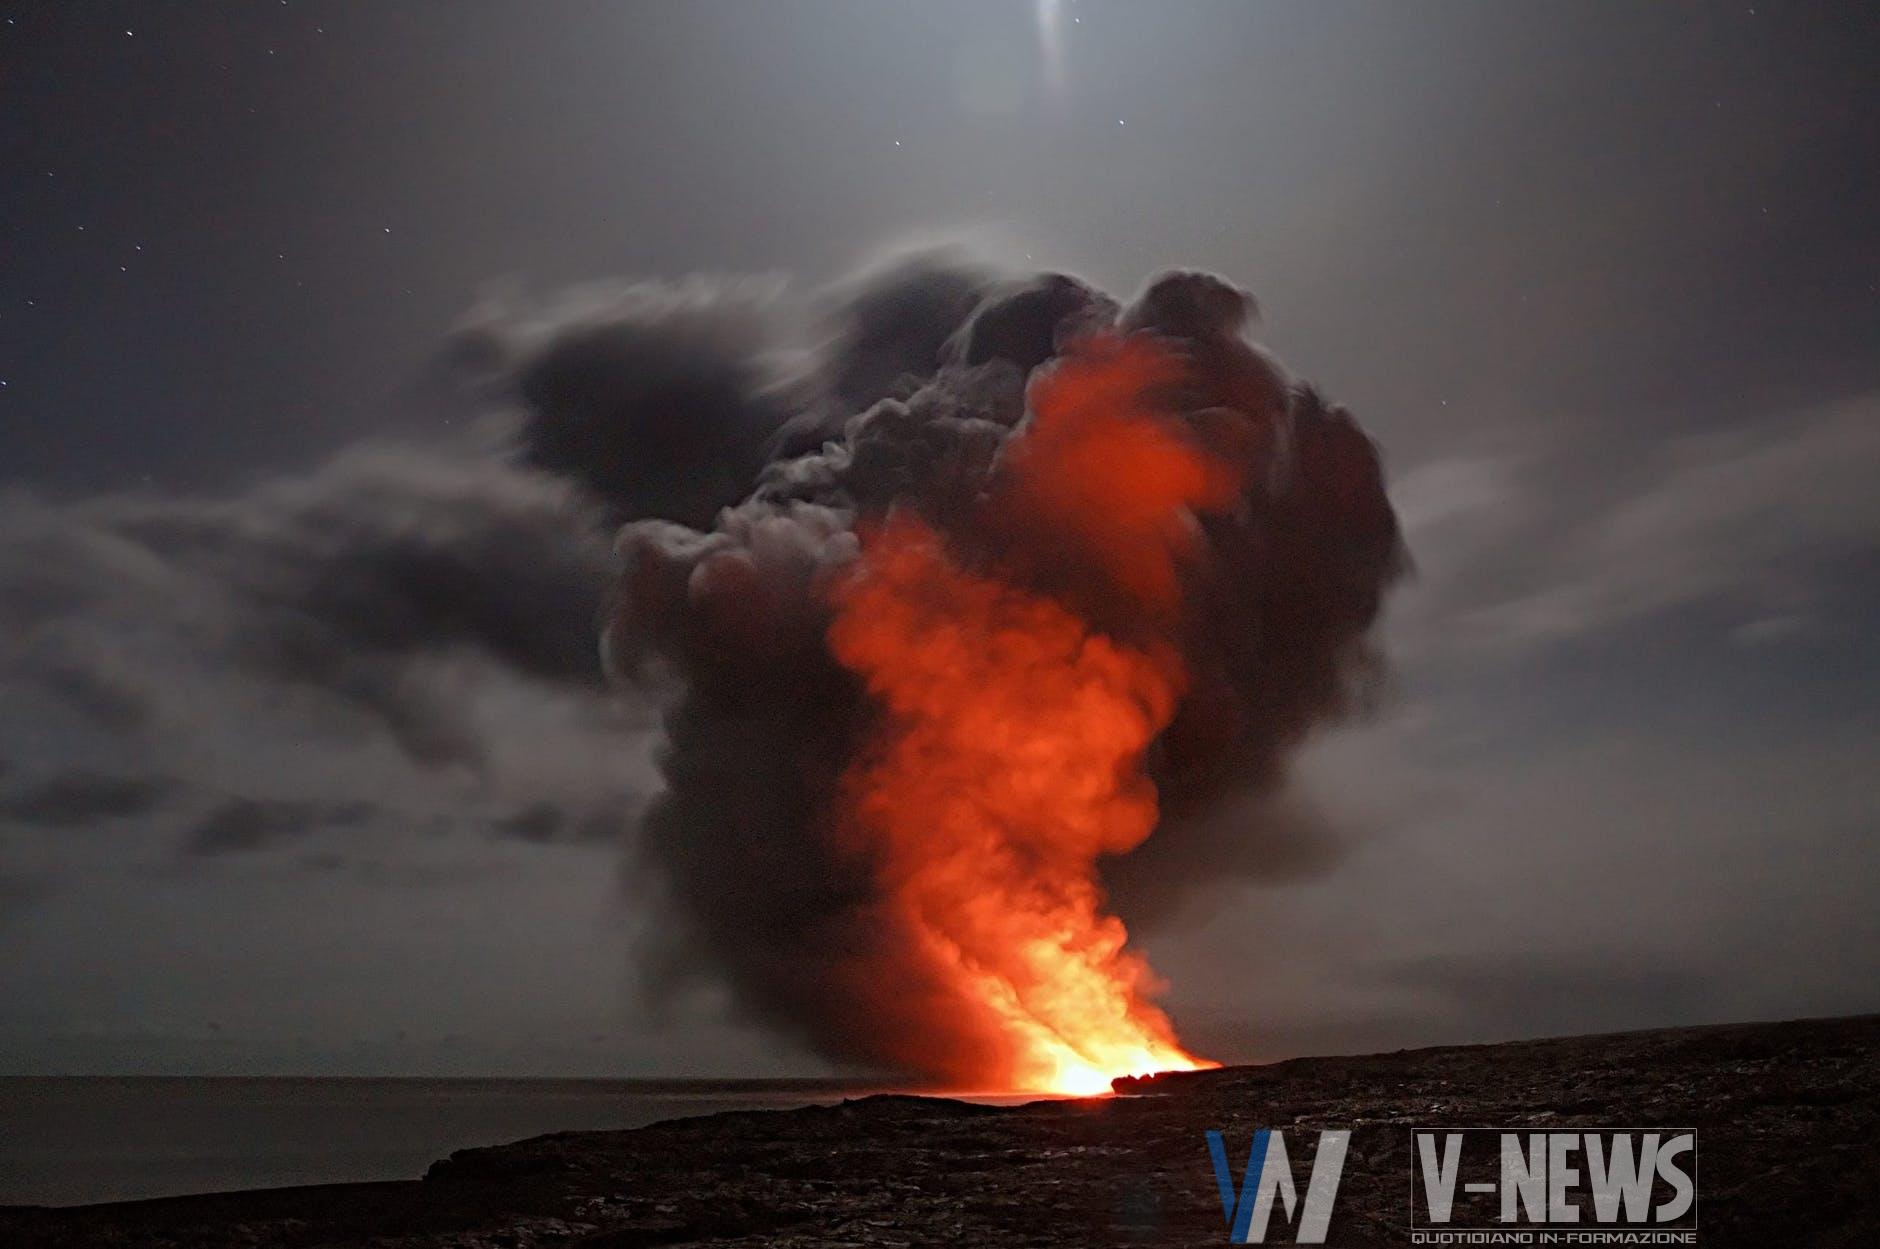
column 71, row 1141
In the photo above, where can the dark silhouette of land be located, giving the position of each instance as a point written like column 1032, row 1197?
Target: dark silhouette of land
column 1787, row 1117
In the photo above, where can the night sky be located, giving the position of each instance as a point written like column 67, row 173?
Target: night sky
column 1602, row 280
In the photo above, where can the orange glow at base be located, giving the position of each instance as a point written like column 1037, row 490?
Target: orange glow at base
column 1011, row 752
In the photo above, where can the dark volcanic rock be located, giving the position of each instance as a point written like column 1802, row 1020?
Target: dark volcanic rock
column 1786, row 1116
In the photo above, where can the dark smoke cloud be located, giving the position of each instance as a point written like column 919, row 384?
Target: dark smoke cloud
column 1254, row 829
column 883, row 334
column 1275, row 638
column 893, row 323
column 659, row 399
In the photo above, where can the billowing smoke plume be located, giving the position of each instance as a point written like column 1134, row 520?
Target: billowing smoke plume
column 981, row 621
column 1132, row 509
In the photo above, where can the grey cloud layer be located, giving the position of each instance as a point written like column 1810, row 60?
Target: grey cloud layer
column 402, row 637
column 1768, row 526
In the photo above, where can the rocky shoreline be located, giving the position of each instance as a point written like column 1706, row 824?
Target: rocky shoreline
column 1786, row 1116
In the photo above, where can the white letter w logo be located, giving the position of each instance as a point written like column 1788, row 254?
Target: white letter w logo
column 1268, row 1173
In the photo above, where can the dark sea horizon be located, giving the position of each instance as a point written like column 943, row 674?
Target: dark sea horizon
column 76, row 1140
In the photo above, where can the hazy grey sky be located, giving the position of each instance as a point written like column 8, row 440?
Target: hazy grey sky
column 1603, row 280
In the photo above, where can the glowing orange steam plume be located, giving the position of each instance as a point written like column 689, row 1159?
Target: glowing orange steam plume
column 1010, row 754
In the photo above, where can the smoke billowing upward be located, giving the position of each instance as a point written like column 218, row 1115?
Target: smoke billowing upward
column 1030, row 588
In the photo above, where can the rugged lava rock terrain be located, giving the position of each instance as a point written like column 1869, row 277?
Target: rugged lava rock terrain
column 1787, row 1117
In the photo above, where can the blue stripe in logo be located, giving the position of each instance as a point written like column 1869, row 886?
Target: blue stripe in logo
column 1238, row 1209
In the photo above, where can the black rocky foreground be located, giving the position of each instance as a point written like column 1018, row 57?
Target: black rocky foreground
column 1786, row 1116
